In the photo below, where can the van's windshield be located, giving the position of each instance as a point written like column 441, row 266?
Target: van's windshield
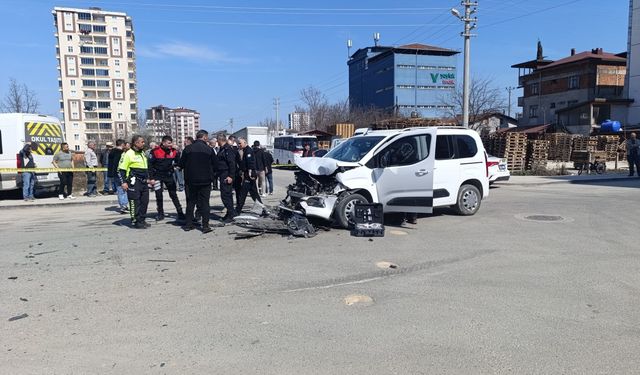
column 354, row 149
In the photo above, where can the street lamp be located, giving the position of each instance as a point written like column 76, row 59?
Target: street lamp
column 469, row 24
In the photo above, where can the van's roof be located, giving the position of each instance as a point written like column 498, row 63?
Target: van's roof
column 14, row 116
column 398, row 131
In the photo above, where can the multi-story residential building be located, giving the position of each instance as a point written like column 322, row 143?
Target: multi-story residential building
column 575, row 93
column 97, row 81
column 158, row 122
column 412, row 79
column 184, row 123
column 177, row 122
column 299, row 121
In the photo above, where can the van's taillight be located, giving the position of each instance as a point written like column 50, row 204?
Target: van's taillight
column 486, row 164
column 18, row 161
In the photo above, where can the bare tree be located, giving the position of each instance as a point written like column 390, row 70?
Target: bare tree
column 269, row 123
column 19, row 99
column 484, row 98
column 317, row 107
column 364, row 117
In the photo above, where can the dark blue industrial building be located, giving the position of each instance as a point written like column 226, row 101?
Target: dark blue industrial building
column 403, row 79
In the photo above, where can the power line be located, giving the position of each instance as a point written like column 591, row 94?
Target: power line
column 279, row 24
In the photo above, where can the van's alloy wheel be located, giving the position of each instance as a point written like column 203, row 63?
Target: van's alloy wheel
column 469, row 200
column 345, row 209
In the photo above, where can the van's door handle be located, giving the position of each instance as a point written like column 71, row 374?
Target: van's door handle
column 422, row 172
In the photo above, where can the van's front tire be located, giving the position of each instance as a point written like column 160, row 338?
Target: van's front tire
column 344, row 212
column 469, row 199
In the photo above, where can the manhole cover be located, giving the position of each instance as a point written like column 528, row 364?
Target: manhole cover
column 544, row 218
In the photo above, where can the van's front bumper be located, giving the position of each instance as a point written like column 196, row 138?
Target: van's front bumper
column 320, row 206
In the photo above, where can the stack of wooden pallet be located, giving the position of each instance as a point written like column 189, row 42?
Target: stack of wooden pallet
column 537, row 154
column 585, row 144
column 513, row 147
column 609, row 144
column 560, row 145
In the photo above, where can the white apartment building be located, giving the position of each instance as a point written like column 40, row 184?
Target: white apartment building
column 299, row 121
column 97, row 81
column 177, row 122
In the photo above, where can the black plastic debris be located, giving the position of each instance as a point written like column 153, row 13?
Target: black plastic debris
column 18, row 317
column 369, row 219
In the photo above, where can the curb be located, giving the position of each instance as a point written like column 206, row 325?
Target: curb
column 58, row 204
column 576, row 181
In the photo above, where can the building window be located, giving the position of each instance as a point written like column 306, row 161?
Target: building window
column 105, row 126
column 86, row 61
column 103, row 83
column 552, row 105
column 84, row 16
column 103, row 115
column 88, row 72
column 535, row 89
column 84, row 49
column 84, row 28
column 76, row 137
column 116, row 62
column 102, row 62
column 88, row 83
column 70, row 49
column 115, row 29
column 405, row 86
column 574, row 82
column 72, row 82
column 102, row 72
column 405, row 66
column 429, row 67
column 99, row 29
column 69, row 37
column 100, row 50
column 533, row 111
column 106, row 105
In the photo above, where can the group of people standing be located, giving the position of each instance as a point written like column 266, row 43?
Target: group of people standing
column 223, row 163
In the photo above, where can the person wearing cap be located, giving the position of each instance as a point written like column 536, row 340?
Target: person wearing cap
column 104, row 160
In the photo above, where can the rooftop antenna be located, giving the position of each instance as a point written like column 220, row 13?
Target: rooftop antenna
column 376, row 38
column 349, row 45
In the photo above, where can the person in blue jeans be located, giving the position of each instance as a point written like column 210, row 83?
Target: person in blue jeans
column 28, row 178
column 114, row 160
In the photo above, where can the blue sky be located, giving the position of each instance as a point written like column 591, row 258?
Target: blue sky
column 229, row 59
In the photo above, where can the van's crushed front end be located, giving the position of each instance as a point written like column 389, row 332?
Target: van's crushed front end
column 316, row 188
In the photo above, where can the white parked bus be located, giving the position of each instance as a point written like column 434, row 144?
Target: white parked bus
column 286, row 146
column 45, row 132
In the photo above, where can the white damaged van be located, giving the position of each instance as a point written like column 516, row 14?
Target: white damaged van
column 408, row 170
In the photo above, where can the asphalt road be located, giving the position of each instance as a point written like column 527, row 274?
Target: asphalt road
column 492, row 293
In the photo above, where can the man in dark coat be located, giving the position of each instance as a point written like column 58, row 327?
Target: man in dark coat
column 199, row 163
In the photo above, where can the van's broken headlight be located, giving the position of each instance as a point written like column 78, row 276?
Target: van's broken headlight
column 315, row 202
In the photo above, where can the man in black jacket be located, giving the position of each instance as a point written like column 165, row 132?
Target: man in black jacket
column 258, row 153
column 199, row 163
column 226, row 174
column 161, row 167
column 247, row 165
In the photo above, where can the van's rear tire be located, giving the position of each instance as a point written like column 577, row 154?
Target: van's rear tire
column 345, row 210
column 469, row 199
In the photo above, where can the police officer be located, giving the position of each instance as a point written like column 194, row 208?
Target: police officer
column 247, row 166
column 199, row 164
column 226, row 175
column 133, row 175
column 161, row 168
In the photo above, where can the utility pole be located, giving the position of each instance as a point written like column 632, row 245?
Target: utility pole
column 276, row 105
column 231, row 124
column 470, row 7
column 509, row 89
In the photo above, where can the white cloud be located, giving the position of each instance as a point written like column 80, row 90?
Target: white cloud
column 187, row 51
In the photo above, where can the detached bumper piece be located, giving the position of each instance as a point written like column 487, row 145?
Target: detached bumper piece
column 369, row 220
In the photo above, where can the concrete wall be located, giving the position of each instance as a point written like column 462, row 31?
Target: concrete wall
column 633, row 63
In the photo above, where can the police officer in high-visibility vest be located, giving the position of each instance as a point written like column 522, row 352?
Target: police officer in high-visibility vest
column 133, row 175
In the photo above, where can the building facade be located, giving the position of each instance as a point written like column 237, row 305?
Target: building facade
column 299, row 121
column 184, row 123
column 95, row 50
column 632, row 88
column 576, row 93
column 408, row 80
column 158, row 122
